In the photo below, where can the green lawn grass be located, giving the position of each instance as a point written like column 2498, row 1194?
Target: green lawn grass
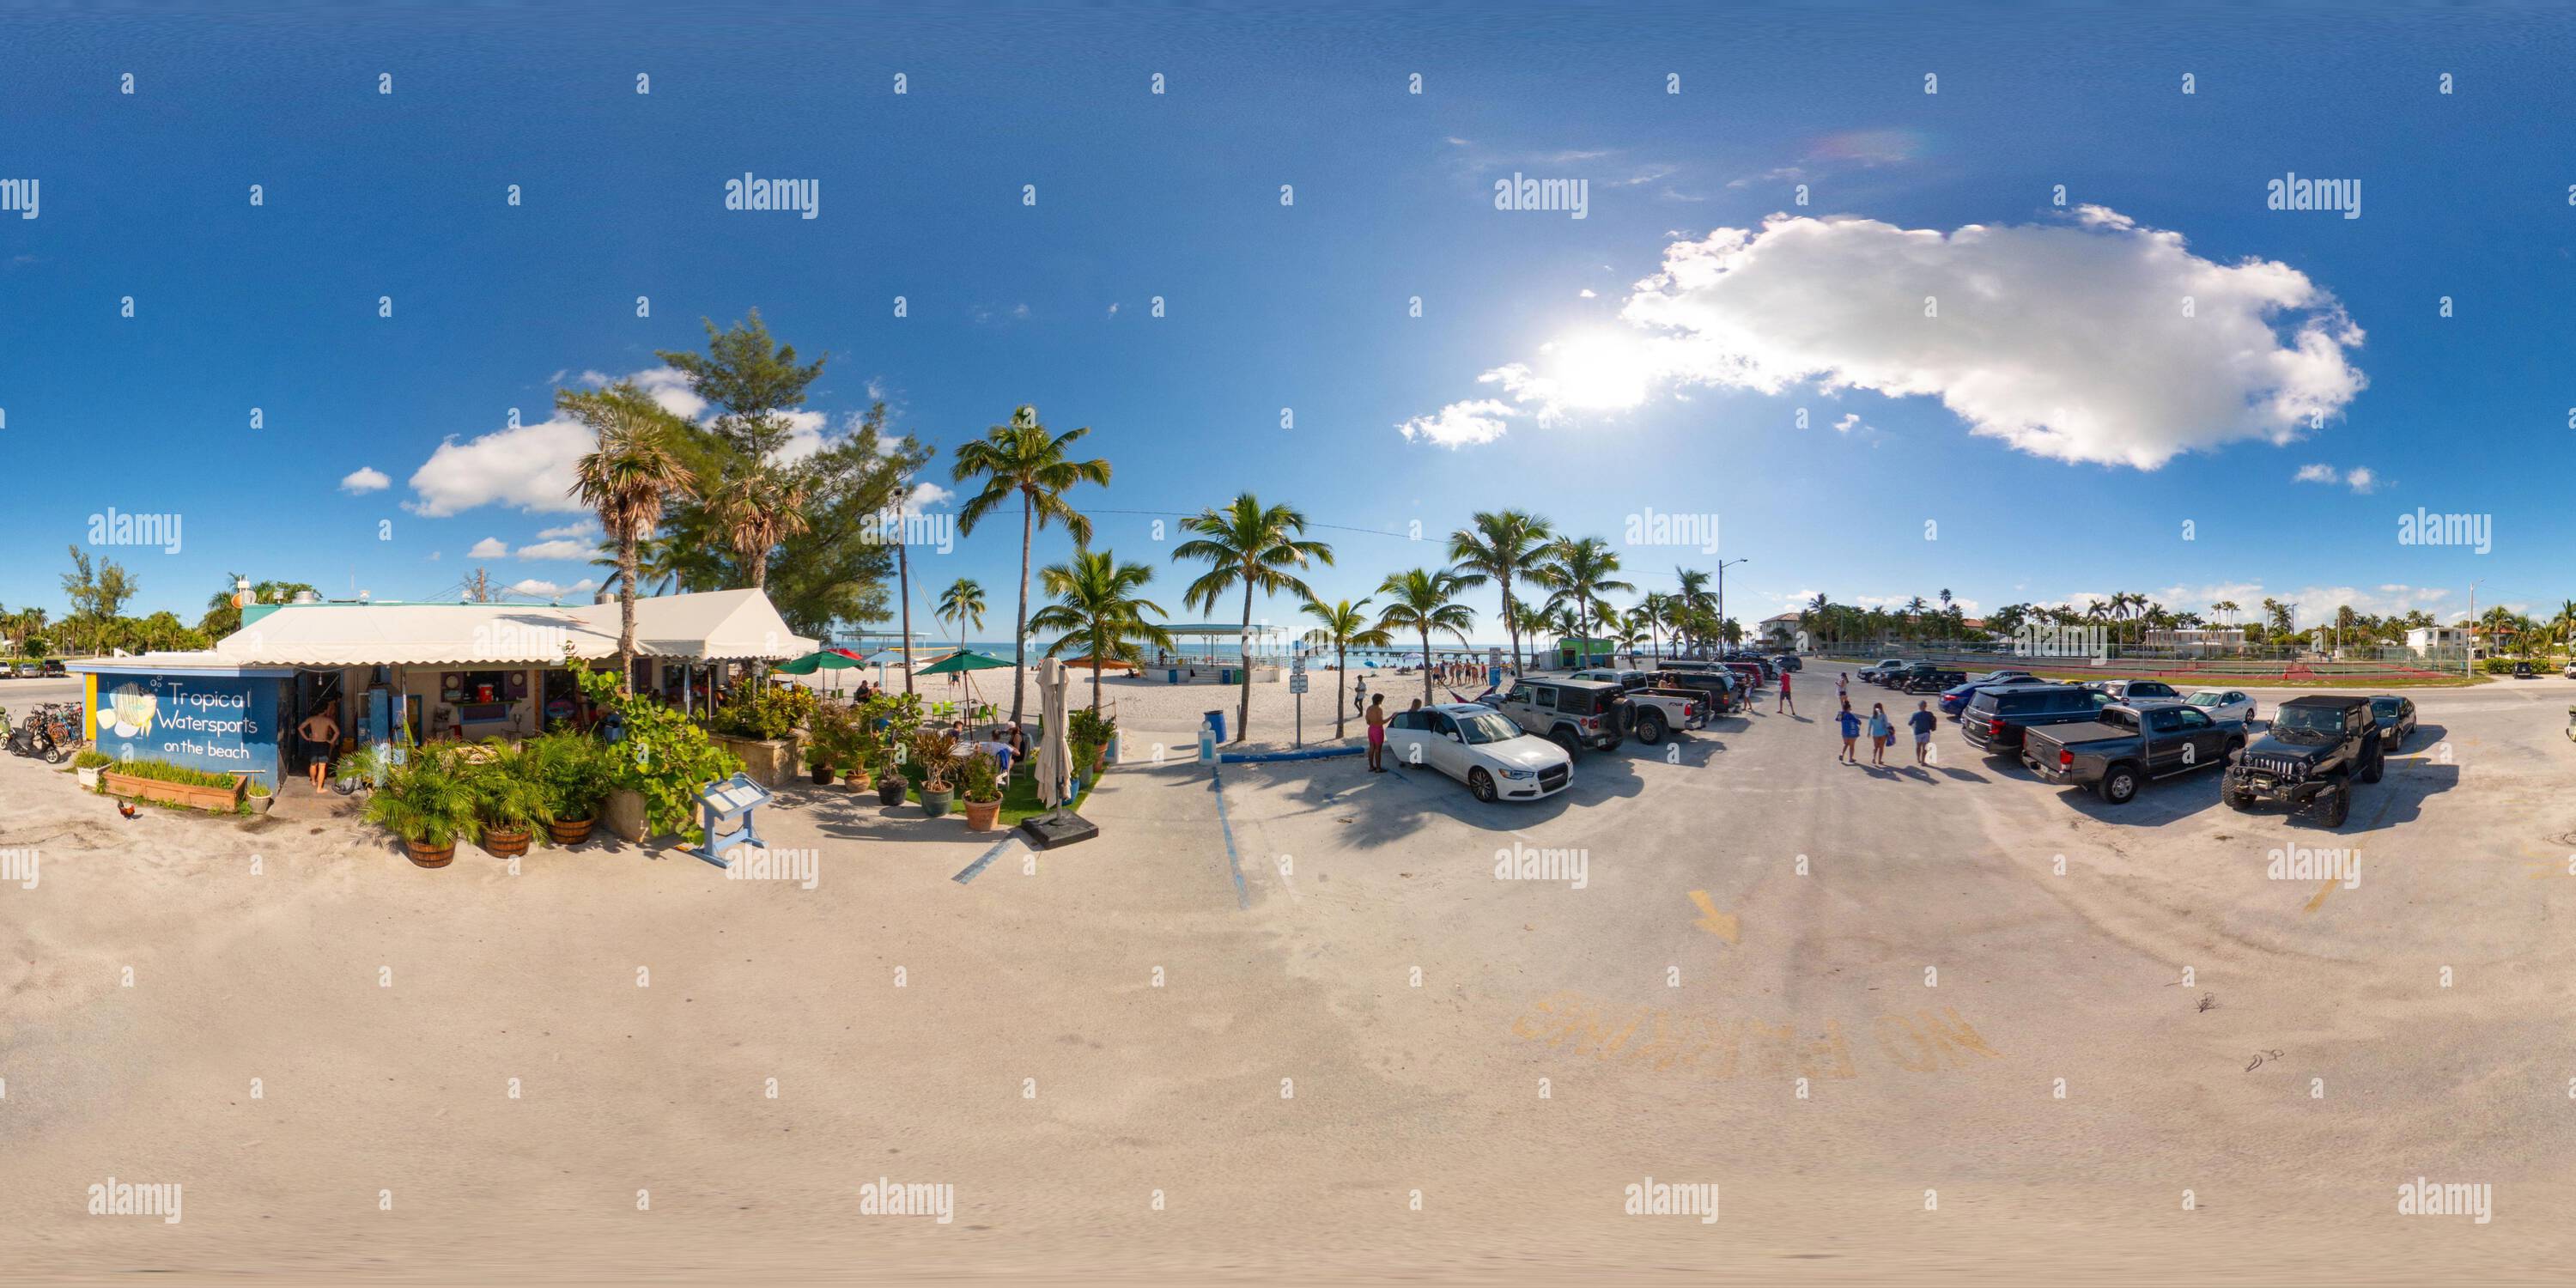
column 1019, row 796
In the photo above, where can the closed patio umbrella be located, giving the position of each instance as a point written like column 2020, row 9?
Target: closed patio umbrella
column 1054, row 768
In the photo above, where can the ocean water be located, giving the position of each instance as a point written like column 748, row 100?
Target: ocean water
column 1208, row 648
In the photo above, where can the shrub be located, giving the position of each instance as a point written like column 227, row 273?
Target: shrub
column 162, row 771
column 1083, row 725
column 507, row 792
column 92, row 759
column 839, row 739
column 887, row 723
column 979, row 777
column 258, row 788
column 574, row 770
column 425, row 802
column 935, row 750
column 773, row 712
column 665, row 758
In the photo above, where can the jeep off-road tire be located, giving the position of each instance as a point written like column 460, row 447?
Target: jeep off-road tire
column 2120, row 785
column 1565, row 738
column 1650, row 726
column 2377, row 768
column 2339, row 806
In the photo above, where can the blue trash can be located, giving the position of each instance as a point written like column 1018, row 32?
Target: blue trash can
column 1216, row 721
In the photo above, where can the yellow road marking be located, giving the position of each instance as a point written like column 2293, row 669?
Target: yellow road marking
column 2323, row 889
column 1721, row 924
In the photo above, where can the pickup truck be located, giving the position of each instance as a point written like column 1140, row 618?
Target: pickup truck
column 1721, row 691
column 1659, row 711
column 1574, row 713
column 2319, row 745
column 1878, row 672
column 1926, row 677
column 2128, row 743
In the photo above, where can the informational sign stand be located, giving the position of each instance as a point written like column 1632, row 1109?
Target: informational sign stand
column 1297, row 686
column 724, row 814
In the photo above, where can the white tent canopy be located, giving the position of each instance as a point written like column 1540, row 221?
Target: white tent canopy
column 716, row 626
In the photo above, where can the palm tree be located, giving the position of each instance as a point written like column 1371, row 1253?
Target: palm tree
column 1502, row 545
column 2225, row 610
column 626, row 478
column 1256, row 546
column 756, row 511
column 1023, row 458
column 1656, row 612
column 1345, row 627
column 1532, row 620
column 1580, row 572
column 964, row 599
column 1694, row 595
column 1424, row 601
column 1097, row 606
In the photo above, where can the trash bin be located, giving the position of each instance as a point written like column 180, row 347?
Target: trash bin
column 1216, row 723
column 1172, row 677
column 1225, row 675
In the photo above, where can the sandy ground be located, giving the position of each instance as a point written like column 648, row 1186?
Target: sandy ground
column 1289, row 1025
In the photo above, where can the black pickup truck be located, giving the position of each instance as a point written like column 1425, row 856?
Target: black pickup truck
column 2317, row 747
column 2128, row 743
column 1724, row 692
column 1926, row 677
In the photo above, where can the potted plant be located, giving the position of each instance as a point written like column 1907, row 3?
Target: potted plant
column 87, row 764
column 509, row 801
column 834, row 741
column 574, row 770
column 886, row 725
column 935, row 750
column 1086, row 728
column 979, row 777
column 260, row 797
column 428, row 804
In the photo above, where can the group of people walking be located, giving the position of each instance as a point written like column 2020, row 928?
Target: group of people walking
column 1882, row 731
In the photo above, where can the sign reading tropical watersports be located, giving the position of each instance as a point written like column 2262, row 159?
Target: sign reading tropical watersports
column 219, row 723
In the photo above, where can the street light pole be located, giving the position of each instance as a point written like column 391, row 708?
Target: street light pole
column 1722, row 565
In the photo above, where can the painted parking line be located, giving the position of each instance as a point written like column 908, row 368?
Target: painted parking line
column 978, row 866
column 1233, row 862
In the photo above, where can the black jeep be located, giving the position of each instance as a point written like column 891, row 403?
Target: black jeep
column 2317, row 747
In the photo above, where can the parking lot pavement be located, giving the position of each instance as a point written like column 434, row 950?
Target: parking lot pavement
column 1871, row 1005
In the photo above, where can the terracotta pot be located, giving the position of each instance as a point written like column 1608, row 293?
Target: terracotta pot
column 507, row 842
column 980, row 815
column 934, row 804
column 891, row 789
column 570, row 831
column 431, row 857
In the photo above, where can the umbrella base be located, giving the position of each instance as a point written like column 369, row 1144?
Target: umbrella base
column 1057, row 827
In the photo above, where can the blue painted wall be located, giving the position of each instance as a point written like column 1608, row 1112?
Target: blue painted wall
column 214, row 722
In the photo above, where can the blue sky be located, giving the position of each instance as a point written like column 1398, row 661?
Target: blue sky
column 1684, row 405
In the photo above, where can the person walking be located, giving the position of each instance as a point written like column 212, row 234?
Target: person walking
column 321, row 734
column 1377, row 734
column 1923, row 721
column 1842, row 687
column 1784, row 704
column 1850, row 729
column 1879, row 732
column 1359, row 696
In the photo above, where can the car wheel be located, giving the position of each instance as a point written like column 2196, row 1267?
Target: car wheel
column 1650, row 727
column 1482, row 784
column 2238, row 801
column 2120, row 785
column 2378, row 767
column 1565, row 738
column 2340, row 808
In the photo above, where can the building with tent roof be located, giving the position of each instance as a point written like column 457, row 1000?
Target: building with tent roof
column 464, row 671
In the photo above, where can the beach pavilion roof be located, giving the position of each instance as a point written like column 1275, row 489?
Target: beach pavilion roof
column 719, row 625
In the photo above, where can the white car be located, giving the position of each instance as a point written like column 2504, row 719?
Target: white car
column 2223, row 705
column 1480, row 748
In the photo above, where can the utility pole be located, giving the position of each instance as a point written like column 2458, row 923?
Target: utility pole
column 1721, row 601
column 2469, row 664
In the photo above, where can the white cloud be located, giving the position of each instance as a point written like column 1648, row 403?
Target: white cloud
column 1847, row 423
column 537, row 589
column 555, row 550
column 1587, row 293
column 927, row 494
column 488, row 548
column 584, row 530
column 804, row 436
column 2064, row 339
column 2361, row 478
column 1460, row 423
column 530, row 467
column 365, row 478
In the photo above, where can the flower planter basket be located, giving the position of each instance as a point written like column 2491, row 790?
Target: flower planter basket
column 570, row 831
column 507, row 843
column 981, row 814
column 431, row 856
column 220, row 799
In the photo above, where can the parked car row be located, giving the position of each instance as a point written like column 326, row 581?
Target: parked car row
column 33, row 670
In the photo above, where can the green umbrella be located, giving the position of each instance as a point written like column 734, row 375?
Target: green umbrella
column 827, row 660
column 965, row 662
